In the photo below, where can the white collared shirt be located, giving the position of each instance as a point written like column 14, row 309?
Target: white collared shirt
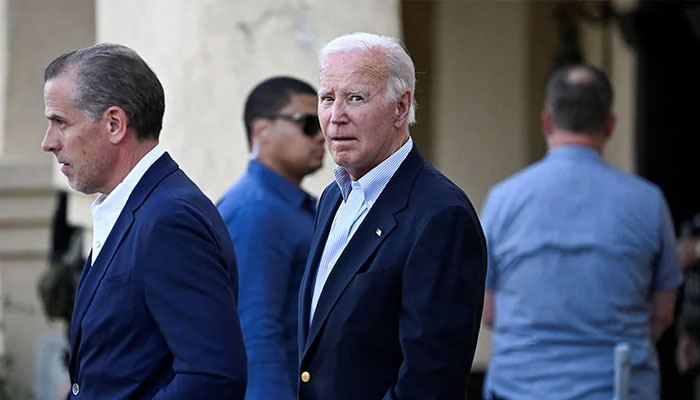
column 105, row 209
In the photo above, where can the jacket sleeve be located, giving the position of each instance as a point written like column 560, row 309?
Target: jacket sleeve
column 189, row 293
column 443, row 292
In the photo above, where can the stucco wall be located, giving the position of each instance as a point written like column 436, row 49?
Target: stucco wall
column 479, row 92
column 37, row 33
column 209, row 54
column 491, row 61
column 603, row 47
column 32, row 32
column 4, row 59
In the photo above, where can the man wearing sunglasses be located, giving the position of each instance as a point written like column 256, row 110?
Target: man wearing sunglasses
column 270, row 219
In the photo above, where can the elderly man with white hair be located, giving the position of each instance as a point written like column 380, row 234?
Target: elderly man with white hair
column 392, row 295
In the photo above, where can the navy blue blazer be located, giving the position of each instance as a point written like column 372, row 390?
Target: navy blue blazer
column 399, row 315
column 155, row 315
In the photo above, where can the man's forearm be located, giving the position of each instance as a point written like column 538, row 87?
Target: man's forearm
column 489, row 313
column 662, row 306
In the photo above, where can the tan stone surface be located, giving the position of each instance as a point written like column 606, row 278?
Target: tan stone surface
column 20, row 210
column 479, row 109
column 621, row 148
column 25, row 173
column 22, row 320
column 33, row 33
column 210, row 54
column 619, row 62
column 26, row 208
column 4, row 60
column 38, row 31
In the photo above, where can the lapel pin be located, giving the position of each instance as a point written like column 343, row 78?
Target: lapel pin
column 379, row 232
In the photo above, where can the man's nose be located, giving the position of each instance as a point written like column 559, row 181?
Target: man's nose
column 338, row 115
column 50, row 143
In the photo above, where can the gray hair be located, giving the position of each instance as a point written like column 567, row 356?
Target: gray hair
column 401, row 73
column 109, row 75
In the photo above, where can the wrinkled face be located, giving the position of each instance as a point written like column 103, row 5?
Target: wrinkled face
column 286, row 145
column 81, row 147
column 357, row 120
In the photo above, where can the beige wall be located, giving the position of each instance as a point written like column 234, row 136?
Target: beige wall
column 620, row 151
column 26, row 207
column 4, row 60
column 489, row 66
column 604, row 48
column 32, row 32
column 209, row 54
column 36, row 37
column 479, row 91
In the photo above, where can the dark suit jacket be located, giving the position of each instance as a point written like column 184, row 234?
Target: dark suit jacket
column 155, row 315
column 399, row 315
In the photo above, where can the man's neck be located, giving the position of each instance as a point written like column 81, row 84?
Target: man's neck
column 293, row 178
column 400, row 140
column 128, row 160
column 564, row 138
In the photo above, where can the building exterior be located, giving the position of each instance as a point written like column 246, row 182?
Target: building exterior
column 481, row 67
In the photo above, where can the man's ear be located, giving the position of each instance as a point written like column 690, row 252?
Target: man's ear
column 117, row 124
column 259, row 127
column 403, row 107
column 610, row 125
column 547, row 127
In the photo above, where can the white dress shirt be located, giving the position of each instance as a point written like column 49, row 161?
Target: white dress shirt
column 106, row 209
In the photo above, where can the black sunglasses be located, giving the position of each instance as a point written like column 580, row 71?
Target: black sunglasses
column 309, row 122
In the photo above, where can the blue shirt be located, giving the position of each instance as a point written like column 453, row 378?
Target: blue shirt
column 271, row 222
column 575, row 250
column 350, row 214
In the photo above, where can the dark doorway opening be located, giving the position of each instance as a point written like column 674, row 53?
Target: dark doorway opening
column 666, row 36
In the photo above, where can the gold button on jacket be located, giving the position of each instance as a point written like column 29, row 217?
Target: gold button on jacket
column 305, row 376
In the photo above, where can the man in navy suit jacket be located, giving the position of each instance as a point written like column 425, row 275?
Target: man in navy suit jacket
column 155, row 311
column 392, row 294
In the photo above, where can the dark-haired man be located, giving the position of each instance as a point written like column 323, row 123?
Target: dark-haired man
column 270, row 219
column 581, row 257
column 155, row 312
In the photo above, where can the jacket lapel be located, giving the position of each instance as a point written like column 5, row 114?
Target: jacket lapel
column 329, row 205
column 381, row 217
column 74, row 321
column 92, row 275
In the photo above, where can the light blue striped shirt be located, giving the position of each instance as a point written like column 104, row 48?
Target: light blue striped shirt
column 358, row 198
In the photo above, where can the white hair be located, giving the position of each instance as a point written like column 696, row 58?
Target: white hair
column 401, row 73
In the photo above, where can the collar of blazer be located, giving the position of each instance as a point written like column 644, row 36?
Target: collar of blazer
column 393, row 199
column 92, row 275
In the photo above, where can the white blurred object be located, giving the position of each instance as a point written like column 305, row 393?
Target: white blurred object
column 50, row 375
column 623, row 369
